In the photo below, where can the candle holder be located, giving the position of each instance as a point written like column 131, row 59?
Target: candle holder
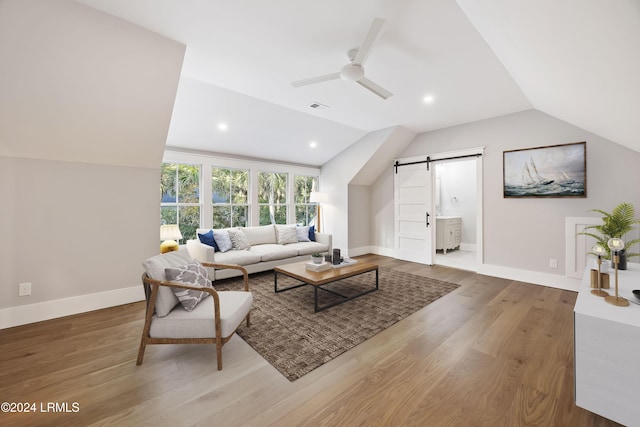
column 616, row 245
column 599, row 251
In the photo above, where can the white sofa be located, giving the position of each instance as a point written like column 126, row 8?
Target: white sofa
column 264, row 254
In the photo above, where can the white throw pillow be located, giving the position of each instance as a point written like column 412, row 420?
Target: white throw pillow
column 260, row 235
column 239, row 240
column 286, row 234
column 223, row 240
column 303, row 233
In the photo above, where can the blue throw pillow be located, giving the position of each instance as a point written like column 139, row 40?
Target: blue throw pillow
column 207, row 239
column 312, row 233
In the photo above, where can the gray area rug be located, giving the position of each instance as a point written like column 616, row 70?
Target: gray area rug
column 295, row 340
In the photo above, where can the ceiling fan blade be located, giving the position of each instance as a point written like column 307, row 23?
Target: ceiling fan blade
column 378, row 90
column 374, row 32
column 314, row 80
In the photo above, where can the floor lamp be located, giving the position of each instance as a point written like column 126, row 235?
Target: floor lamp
column 318, row 198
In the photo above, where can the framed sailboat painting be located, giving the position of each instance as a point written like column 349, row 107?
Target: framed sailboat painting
column 551, row 171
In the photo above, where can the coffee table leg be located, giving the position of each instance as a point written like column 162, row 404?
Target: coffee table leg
column 275, row 281
column 315, row 298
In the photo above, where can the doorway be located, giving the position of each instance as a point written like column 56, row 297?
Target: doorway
column 416, row 213
column 456, row 208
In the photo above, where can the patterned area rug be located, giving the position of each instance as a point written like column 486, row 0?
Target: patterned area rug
column 295, row 340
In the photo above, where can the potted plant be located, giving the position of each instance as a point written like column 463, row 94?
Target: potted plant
column 615, row 224
column 317, row 258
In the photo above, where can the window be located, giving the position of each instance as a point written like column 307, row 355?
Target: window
column 229, row 195
column 180, row 202
column 305, row 211
column 272, row 197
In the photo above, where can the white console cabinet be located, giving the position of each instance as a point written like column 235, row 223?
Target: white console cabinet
column 607, row 350
column 448, row 232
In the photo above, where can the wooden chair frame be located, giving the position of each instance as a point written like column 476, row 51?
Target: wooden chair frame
column 151, row 287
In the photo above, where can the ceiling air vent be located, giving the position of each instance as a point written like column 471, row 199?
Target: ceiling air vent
column 318, row 106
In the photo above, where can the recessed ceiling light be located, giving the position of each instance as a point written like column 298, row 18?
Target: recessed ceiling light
column 313, row 144
column 428, row 99
column 222, row 127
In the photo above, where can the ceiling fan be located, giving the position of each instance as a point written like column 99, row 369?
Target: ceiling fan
column 354, row 70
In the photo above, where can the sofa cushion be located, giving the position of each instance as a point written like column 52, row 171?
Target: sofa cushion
column 155, row 269
column 199, row 323
column 274, row 252
column 260, row 235
column 237, row 257
column 207, row 239
column 308, row 248
column 223, row 240
column 286, row 234
column 193, row 274
column 239, row 241
column 302, row 231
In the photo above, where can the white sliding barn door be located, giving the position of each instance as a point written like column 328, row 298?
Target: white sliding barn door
column 413, row 217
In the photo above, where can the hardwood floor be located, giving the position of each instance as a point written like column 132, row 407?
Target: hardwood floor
column 492, row 353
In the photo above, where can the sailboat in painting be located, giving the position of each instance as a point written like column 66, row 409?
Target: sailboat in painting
column 531, row 177
column 565, row 179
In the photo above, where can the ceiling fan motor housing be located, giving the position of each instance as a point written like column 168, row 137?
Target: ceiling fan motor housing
column 352, row 73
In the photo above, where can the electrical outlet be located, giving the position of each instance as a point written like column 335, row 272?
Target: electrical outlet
column 553, row 263
column 24, row 289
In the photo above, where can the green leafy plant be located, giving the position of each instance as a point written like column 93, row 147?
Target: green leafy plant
column 615, row 224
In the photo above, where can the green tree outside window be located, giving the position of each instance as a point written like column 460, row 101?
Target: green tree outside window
column 305, row 211
column 272, row 197
column 180, row 197
column 230, row 195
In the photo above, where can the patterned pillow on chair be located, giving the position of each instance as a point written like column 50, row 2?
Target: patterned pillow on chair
column 193, row 274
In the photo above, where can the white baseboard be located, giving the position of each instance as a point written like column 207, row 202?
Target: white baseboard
column 379, row 250
column 363, row 250
column 535, row 277
column 31, row 313
column 468, row 247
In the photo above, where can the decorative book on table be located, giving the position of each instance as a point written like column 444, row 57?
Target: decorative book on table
column 318, row 267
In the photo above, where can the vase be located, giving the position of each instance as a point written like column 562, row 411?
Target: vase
column 622, row 265
column 317, row 259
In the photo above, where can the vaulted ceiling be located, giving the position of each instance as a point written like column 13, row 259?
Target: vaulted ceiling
column 577, row 60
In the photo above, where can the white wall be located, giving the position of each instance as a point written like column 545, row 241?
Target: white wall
column 84, row 112
column 76, row 228
column 80, row 85
column 382, row 210
column 524, row 234
column 360, row 164
column 458, row 194
column 359, row 218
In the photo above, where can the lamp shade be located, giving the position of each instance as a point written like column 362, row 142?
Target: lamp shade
column 615, row 244
column 599, row 250
column 170, row 232
column 318, row 197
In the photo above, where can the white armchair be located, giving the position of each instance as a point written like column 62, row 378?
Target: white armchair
column 211, row 321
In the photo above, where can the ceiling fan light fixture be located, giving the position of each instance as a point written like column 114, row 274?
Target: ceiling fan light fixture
column 352, row 73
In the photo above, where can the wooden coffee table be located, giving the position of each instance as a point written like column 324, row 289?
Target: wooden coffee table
column 319, row 280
